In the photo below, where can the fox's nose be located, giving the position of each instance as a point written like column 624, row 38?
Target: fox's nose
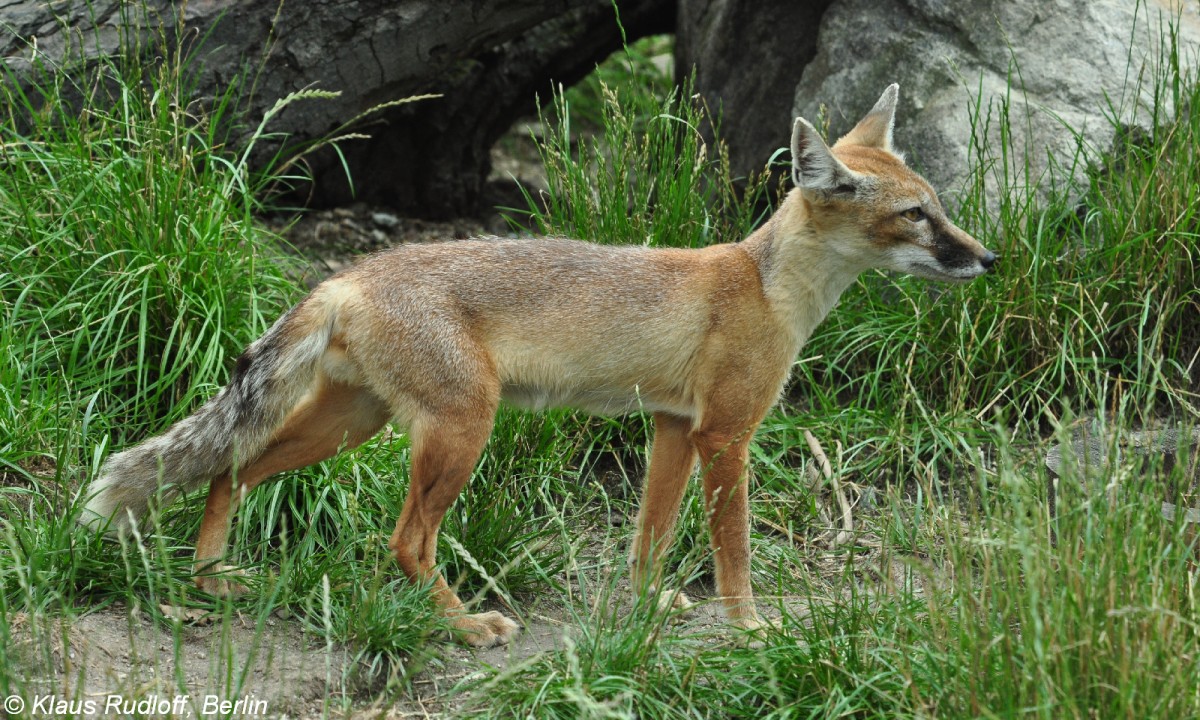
column 988, row 259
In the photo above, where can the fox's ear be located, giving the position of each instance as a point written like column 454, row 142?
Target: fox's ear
column 875, row 129
column 814, row 167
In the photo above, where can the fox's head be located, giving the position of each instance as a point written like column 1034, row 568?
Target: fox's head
column 863, row 196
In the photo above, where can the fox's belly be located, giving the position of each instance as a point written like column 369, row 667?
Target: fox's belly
column 607, row 401
column 603, row 371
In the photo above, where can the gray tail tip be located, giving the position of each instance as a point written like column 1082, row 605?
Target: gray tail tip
column 100, row 514
column 116, row 525
column 94, row 521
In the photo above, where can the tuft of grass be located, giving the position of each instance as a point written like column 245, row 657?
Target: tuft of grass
column 388, row 624
column 647, row 178
column 134, row 267
column 619, row 660
column 644, row 68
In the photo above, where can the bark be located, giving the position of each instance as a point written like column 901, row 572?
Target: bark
column 748, row 57
column 429, row 158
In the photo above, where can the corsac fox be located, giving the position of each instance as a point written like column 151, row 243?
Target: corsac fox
column 433, row 337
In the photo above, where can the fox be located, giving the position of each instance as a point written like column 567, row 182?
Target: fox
column 433, row 337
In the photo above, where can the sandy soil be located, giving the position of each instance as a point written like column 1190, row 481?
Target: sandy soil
column 118, row 654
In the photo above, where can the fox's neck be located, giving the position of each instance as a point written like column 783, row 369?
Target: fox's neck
column 802, row 273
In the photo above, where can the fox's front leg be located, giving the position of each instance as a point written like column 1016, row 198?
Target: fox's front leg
column 724, row 457
column 672, row 459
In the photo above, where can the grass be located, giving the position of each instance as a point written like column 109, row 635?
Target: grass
column 134, row 270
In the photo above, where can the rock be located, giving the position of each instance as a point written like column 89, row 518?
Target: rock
column 1092, row 450
column 385, row 220
column 1093, row 447
column 1067, row 59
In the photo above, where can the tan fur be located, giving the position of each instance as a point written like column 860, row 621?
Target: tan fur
column 435, row 336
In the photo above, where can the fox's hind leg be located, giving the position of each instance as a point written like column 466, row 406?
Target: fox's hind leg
column 446, row 444
column 336, row 416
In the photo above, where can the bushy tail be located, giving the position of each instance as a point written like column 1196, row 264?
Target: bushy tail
column 270, row 378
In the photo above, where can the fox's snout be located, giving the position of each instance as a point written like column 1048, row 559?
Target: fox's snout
column 985, row 262
column 988, row 260
column 981, row 259
column 962, row 257
column 939, row 251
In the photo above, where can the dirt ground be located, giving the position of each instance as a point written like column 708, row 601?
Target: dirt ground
column 279, row 670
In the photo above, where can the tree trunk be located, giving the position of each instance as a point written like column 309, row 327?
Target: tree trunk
column 486, row 59
column 748, row 57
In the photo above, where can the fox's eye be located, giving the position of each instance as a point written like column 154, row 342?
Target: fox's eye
column 915, row 214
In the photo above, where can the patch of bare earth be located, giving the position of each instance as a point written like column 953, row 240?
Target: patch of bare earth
column 118, row 655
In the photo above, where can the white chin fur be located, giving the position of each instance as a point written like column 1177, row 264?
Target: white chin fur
column 921, row 263
column 954, row 275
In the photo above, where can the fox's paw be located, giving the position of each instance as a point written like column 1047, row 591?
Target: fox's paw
column 221, row 581
column 674, row 601
column 755, row 629
column 484, row 629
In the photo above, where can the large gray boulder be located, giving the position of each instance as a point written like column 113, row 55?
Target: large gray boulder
column 1067, row 61
column 1101, row 451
